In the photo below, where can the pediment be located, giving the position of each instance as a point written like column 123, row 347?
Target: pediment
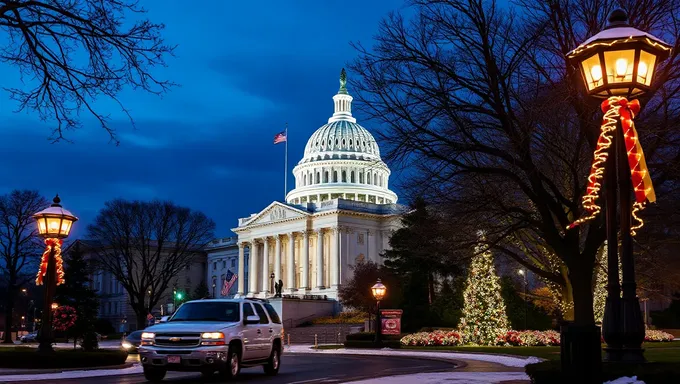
column 276, row 212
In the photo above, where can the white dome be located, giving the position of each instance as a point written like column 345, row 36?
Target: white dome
column 341, row 160
column 341, row 139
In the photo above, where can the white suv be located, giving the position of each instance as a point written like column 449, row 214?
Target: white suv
column 214, row 335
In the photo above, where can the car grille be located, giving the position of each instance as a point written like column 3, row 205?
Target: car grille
column 178, row 339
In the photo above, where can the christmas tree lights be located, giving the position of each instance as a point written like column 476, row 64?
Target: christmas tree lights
column 484, row 317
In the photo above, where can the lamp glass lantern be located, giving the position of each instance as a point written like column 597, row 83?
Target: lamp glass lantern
column 55, row 221
column 620, row 60
column 379, row 290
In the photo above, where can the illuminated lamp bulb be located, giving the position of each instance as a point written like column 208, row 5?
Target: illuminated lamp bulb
column 621, row 67
column 642, row 69
column 596, row 73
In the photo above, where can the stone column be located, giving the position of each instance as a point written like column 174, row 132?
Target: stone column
column 253, row 268
column 304, row 278
column 335, row 259
column 277, row 260
column 290, row 263
column 241, row 269
column 265, row 267
column 319, row 259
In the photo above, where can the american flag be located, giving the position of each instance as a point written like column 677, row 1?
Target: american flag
column 280, row 137
column 229, row 281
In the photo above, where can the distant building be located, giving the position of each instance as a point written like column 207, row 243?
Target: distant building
column 222, row 259
column 114, row 303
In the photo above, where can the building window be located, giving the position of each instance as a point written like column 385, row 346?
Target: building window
column 335, row 176
column 344, row 176
column 233, row 263
column 325, row 177
column 214, row 264
column 224, row 264
column 360, row 239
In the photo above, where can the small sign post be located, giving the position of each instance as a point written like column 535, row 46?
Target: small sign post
column 391, row 321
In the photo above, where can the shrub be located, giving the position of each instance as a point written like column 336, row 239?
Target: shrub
column 349, row 317
column 371, row 344
column 27, row 358
column 550, row 372
column 90, row 342
column 103, row 327
column 433, row 338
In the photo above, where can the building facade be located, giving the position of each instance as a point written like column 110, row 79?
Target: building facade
column 223, row 260
column 340, row 212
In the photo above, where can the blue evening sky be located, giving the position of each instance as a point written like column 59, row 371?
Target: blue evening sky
column 245, row 69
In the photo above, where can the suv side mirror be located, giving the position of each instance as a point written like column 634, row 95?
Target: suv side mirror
column 252, row 319
column 164, row 319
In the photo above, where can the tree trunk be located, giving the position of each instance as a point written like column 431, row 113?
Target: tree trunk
column 430, row 287
column 9, row 308
column 567, row 296
column 581, row 276
column 141, row 318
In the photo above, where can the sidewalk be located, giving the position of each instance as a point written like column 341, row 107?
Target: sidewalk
column 471, row 368
column 104, row 344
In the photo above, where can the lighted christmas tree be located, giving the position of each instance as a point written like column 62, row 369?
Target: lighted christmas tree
column 484, row 317
column 600, row 288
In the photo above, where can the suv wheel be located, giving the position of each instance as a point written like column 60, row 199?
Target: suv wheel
column 271, row 368
column 154, row 375
column 233, row 365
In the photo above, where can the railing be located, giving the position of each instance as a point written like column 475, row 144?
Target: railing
column 291, row 324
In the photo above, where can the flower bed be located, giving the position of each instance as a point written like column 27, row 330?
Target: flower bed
column 529, row 338
column 433, row 338
column 508, row 338
column 652, row 336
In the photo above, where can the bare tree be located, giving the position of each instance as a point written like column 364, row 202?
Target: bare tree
column 480, row 102
column 144, row 245
column 73, row 51
column 20, row 246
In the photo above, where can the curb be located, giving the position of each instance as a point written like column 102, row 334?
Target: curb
column 39, row 371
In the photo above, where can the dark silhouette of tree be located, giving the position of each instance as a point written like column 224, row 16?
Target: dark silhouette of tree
column 201, row 291
column 77, row 292
column 356, row 292
column 20, row 246
column 144, row 245
column 74, row 52
column 421, row 253
column 479, row 101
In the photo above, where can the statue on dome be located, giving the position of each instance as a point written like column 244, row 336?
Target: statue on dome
column 343, row 81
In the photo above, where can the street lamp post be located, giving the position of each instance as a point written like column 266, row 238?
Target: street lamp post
column 618, row 64
column 379, row 291
column 54, row 225
column 523, row 273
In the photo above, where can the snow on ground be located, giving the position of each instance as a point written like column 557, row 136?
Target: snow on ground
column 448, row 378
column 135, row 369
column 508, row 361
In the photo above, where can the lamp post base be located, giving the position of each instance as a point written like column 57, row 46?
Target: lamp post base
column 580, row 352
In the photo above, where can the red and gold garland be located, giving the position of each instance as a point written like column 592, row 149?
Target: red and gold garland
column 618, row 109
column 56, row 245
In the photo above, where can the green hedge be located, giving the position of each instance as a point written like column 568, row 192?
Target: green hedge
column 371, row 344
column 24, row 357
column 370, row 336
column 549, row 372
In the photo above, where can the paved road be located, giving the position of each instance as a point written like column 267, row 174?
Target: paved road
column 303, row 368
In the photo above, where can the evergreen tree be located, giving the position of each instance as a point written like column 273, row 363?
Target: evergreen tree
column 420, row 256
column 484, row 316
column 77, row 293
column 201, row 291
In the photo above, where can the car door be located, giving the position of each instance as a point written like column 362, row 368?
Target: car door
column 250, row 335
column 266, row 333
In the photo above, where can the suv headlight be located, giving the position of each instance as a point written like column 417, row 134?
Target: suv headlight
column 148, row 338
column 212, row 338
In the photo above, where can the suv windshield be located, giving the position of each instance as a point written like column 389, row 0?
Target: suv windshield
column 208, row 311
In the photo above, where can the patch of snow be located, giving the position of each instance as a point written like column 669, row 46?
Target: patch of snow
column 448, row 378
column 508, row 361
column 135, row 369
column 626, row 380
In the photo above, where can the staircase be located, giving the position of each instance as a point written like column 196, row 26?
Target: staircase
column 325, row 333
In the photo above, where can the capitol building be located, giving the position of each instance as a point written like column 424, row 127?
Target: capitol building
column 340, row 212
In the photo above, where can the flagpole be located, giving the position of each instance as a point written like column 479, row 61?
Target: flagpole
column 285, row 168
